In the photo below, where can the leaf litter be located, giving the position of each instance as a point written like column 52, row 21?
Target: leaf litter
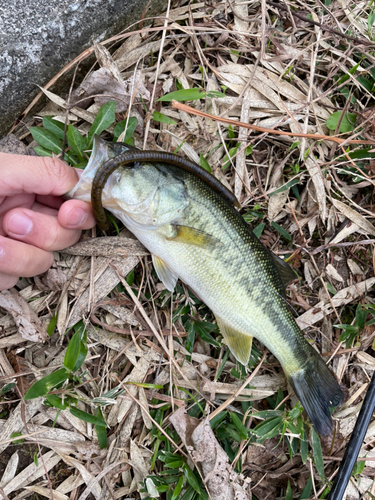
column 180, row 420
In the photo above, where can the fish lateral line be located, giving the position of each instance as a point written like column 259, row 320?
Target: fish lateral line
column 133, row 156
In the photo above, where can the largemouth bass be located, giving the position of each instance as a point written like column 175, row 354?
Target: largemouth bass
column 195, row 234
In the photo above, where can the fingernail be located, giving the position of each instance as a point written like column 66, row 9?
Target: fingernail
column 76, row 217
column 20, row 224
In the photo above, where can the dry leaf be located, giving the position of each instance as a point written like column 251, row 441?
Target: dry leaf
column 140, row 468
column 241, row 12
column 19, row 366
column 46, row 492
column 277, row 203
column 366, row 358
column 137, row 375
column 145, row 415
column 241, row 179
column 317, row 178
column 102, row 86
column 131, row 57
column 354, row 267
column 10, row 469
column 221, row 481
column 331, row 271
column 107, row 246
column 53, row 279
column 28, row 323
column 89, row 479
column 344, row 296
column 103, row 285
column 264, row 387
column 70, row 484
column 105, row 61
column 33, row 472
column 354, row 216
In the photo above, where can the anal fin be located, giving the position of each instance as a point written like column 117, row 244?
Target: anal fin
column 165, row 274
column 239, row 343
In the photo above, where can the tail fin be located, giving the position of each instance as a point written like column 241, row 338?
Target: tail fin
column 318, row 390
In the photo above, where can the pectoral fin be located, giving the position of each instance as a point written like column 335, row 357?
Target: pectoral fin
column 238, row 343
column 192, row 236
column 165, row 274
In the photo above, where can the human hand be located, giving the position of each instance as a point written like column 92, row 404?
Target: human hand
column 34, row 219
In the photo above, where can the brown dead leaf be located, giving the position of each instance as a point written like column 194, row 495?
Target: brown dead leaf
column 354, row 216
column 344, row 296
column 28, row 323
column 264, row 487
column 53, row 279
column 332, row 443
column 89, row 479
column 277, row 203
column 103, row 87
column 331, row 271
column 140, row 468
column 46, row 492
column 107, row 246
column 270, row 454
column 105, row 61
column 318, row 181
column 221, row 481
column 10, row 469
column 19, row 365
column 104, row 284
column 33, row 472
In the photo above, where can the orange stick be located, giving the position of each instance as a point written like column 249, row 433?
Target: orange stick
column 317, row 137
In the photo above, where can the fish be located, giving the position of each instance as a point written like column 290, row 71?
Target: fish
column 195, row 234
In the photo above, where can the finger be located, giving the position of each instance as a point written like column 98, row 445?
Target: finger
column 33, row 174
column 9, row 204
column 50, row 201
column 43, row 209
column 38, row 229
column 76, row 214
column 19, row 259
column 21, row 200
column 7, row 281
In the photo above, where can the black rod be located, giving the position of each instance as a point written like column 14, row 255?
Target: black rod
column 354, row 445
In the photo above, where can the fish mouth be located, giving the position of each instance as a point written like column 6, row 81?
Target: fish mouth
column 102, row 151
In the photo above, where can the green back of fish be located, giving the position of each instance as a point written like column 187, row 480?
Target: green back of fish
column 252, row 282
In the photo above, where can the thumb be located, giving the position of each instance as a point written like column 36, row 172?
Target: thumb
column 33, row 174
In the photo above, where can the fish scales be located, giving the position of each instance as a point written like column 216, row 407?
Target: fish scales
column 237, row 278
column 194, row 234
